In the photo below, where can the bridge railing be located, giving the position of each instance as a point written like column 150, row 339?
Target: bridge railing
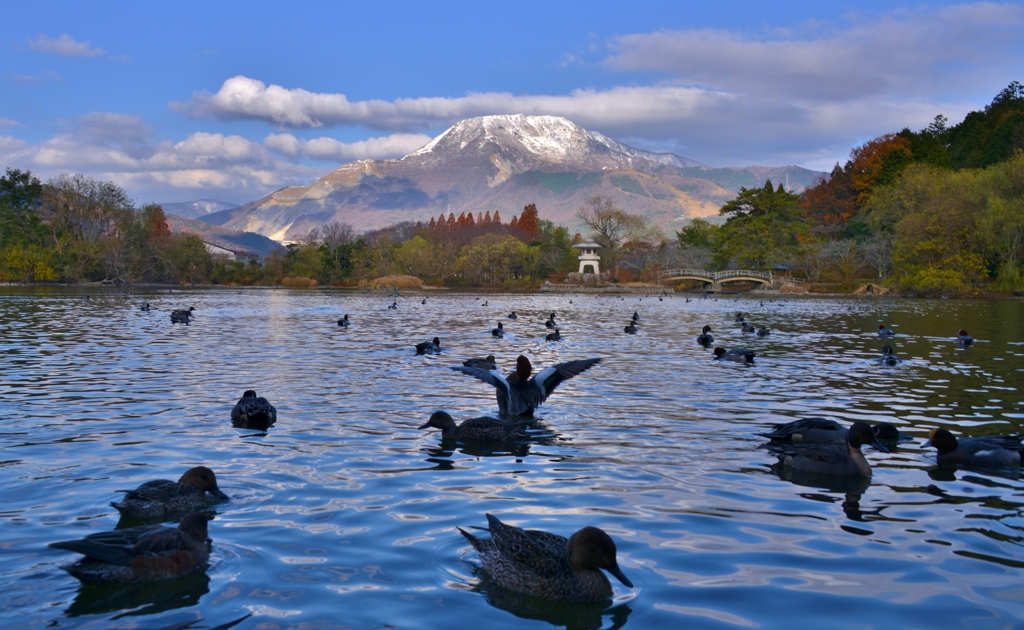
column 715, row 276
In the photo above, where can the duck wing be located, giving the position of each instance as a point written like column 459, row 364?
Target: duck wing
column 163, row 541
column 785, row 432
column 494, row 379
column 113, row 547
column 160, row 490
column 541, row 553
column 552, row 377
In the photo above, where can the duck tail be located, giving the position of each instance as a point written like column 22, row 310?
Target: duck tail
column 473, row 540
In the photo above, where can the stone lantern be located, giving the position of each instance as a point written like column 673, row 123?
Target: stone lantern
column 589, row 257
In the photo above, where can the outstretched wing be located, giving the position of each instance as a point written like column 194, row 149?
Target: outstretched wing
column 494, row 379
column 552, row 377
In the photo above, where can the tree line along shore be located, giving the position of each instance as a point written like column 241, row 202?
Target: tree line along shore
column 938, row 211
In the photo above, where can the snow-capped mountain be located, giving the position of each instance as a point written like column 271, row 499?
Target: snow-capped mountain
column 197, row 208
column 502, row 163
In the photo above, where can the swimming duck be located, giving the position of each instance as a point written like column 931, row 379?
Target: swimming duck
column 499, row 331
column 519, row 393
column 989, row 451
column 481, row 429
column 763, row 332
column 630, row 328
column 739, row 317
column 343, row 322
column 141, row 554
column 747, row 328
column 555, row 336
column 144, row 307
column 251, row 408
column 513, row 315
column 547, row 565
column 393, row 306
column 484, row 364
column 704, row 338
column 182, row 316
column 429, row 347
column 551, row 322
column 739, row 355
column 424, row 301
column 884, row 332
column 636, row 316
column 889, row 357
column 844, row 460
column 197, row 489
column 963, row 339
column 825, row 431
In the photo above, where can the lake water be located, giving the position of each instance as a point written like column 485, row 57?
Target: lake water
column 343, row 514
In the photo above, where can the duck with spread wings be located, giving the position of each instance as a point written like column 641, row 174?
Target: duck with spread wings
column 521, row 392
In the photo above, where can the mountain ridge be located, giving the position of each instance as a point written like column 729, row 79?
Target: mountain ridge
column 502, row 163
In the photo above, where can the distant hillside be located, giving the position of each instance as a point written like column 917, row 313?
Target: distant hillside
column 502, row 163
column 196, row 209
column 234, row 240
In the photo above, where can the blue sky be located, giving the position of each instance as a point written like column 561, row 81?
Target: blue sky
column 192, row 100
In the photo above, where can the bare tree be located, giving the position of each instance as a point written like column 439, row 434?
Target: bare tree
column 334, row 234
column 878, row 253
column 612, row 227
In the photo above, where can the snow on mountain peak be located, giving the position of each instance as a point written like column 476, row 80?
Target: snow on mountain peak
column 550, row 138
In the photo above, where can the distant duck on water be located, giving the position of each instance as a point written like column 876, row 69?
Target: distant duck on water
column 736, row 355
column 253, row 410
column 963, row 339
column 555, row 336
column 182, row 316
column 486, row 363
column 343, row 322
column 747, row 328
column 144, row 307
column 551, row 322
column 429, row 347
column 889, row 357
column 499, row 331
column 884, row 332
column 763, row 332
column 631, row 328
column 513, row 315
column 704, row 338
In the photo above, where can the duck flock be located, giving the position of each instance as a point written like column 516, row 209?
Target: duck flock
column 532, row 562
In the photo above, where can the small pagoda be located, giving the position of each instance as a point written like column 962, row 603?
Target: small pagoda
column 589, row 257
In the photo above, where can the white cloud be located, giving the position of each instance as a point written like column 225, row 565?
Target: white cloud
column 805, row 94
column 7, row 122
column 120, row 148
column 38, row 79
column 65, row 45
column 243, row 98
column 393, row 146
column 901, row 53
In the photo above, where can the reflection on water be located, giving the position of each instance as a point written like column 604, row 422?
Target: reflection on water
column 343, row 513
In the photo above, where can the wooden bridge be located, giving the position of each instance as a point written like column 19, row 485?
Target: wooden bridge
column 713, row 280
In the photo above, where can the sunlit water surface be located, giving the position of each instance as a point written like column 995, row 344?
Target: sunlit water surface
column 344, row 514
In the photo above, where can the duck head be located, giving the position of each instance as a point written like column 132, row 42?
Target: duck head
column 719, row 353
column 523, row 368
column 706, row 330
column 195, row 526
column 249, row 393
column 860, row 434
column 439, row 420
column 501, row 326
column 203, row 479
column 437, row 342
column 592, row 548
column 887, row 432
column 942, row 440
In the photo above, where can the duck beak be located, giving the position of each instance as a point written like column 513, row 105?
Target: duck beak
column 217, row 493
column 878, row 445
column 425, row 426
column 927, row 444
column 617, row 572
